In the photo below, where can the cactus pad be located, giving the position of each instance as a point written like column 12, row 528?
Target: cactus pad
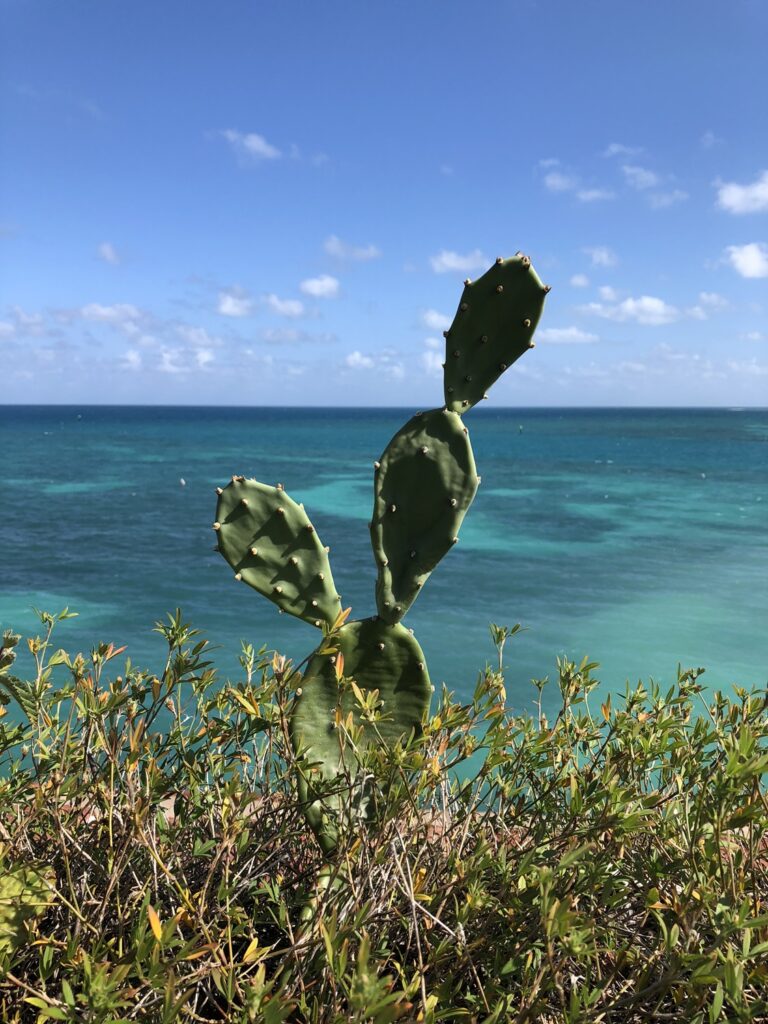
column 269, row 541
column 492, row 328
column 377, row 656
column 25, row 894
column 425, row 482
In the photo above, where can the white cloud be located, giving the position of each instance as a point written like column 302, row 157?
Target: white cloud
column 107, row 252
column 579, row 281
column 608, row 294
column 357, row 361
column 251, row 145
column 566, row 335
column 550, row 161
column 322, row 287
column 645, row 310
column 203, row 357
column 196, row 337
column 602, row 256
column 750, row 367
column 234, row 303
column 435, row 321
column 755, row 336
column 639, row 177
column 663, row 200
column 557, row 182
column 335, row 247
column 708, row 140
column 617, row 149
column 168, row 361
column 744, row 198
column 7, row 330
column 432, row 362
column 285, row 307
column 447, row 261
column 594, row 195
column 132, row 360
column 749, row 260
column 713, row 300
column 121, row 311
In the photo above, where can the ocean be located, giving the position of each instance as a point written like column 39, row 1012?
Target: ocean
column 637, row 537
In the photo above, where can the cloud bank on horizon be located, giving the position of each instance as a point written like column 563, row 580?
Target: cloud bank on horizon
column 240, row 208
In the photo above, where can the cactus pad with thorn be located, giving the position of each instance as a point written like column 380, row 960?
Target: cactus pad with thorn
column 377, row 656
column 424, row 484
column 269, row 541
column 492, row 328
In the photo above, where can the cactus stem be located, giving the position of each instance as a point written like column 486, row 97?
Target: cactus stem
column 217, row 526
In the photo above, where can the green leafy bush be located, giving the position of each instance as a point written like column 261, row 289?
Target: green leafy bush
column 608, row 865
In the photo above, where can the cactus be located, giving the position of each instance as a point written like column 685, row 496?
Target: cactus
column 25, row 894
column 423, row 485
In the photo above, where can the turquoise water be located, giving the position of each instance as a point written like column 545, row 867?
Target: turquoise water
column 637, row 537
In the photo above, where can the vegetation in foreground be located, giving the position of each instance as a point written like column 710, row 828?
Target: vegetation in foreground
column 608, row 865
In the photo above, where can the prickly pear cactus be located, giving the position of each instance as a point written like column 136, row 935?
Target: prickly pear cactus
column 424, row 484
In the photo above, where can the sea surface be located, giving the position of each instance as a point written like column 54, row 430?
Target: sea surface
column 636, row 537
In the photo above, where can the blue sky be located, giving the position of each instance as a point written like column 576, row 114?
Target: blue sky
column 275, row 203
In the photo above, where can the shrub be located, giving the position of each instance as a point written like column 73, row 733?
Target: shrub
column 608, row 865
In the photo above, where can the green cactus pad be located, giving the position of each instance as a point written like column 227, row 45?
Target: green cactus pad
column 492, row 328
column 425, row 482
column 269, row 541
column 25, row 894
column 377, row 656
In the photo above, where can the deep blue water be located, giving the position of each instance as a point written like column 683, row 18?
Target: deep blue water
column 638, row 537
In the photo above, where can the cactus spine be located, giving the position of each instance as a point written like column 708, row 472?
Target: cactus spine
column 424, row 483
